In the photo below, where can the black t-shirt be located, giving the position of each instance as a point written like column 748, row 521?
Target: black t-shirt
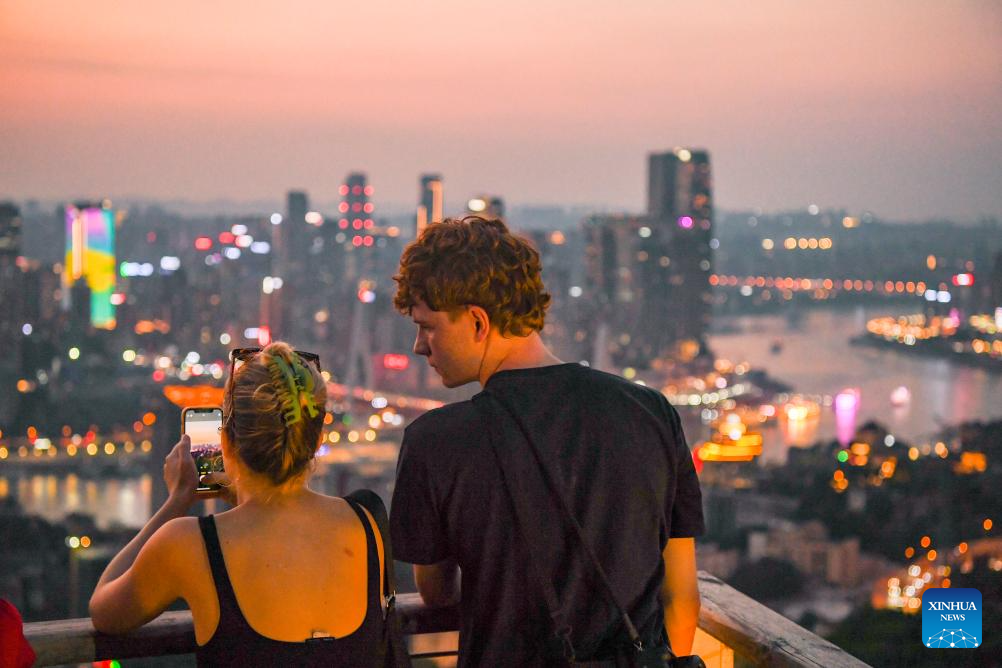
column 623, row 463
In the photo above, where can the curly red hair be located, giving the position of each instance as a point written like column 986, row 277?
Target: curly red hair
column 475, row 261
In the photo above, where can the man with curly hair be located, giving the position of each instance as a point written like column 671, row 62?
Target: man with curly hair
column 475, row 292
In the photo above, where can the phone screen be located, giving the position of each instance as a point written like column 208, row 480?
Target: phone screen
column 202, row 425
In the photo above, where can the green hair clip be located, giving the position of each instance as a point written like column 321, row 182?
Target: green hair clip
column 293, row 382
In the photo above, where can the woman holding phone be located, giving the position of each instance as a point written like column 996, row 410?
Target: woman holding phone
column 287, row 576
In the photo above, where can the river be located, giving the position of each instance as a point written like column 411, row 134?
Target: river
column 815, row 357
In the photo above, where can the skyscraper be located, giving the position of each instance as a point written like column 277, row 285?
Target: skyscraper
column 430, row 202
column 680, row 207
column 11, row 277
column 355, row 209
column 292, row 239
column 295, row 230
column 90, row 255
column 10, row 230
column 12, row 306
column 994, row 304
column 621, row 296
column 648, row 275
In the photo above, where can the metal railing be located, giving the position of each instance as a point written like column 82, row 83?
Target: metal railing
column 733, row 629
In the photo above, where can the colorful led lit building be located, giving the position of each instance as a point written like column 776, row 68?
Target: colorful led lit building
column 355, row 210
column 90, row 255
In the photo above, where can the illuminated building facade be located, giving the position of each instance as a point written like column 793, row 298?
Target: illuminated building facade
column 430, row 202
column 90, row 256
column 355, row 210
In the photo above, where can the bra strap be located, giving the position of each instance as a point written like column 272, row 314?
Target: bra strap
column 228, row 607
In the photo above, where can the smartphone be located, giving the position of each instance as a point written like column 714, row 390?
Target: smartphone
column 203, row 425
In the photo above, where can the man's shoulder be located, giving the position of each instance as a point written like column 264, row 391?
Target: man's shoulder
column 611, row 383
column 457, row 417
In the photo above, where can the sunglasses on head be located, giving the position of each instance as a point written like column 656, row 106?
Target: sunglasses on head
column 240, row 355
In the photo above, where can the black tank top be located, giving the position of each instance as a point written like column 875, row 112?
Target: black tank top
column 235, row 643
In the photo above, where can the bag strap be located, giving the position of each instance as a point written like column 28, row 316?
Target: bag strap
column 371, row 502
column 527, row 516
column 519, row 479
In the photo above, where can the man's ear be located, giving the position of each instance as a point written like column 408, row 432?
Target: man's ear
column 481, row 322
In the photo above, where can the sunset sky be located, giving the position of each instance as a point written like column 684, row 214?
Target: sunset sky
column 890, row 106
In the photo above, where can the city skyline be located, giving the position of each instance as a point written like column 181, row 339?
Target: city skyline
column 891, row 107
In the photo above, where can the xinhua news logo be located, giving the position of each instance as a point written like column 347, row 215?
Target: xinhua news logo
column 951, row 618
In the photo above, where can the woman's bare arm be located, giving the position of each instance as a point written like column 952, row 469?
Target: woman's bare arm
column 140, row 582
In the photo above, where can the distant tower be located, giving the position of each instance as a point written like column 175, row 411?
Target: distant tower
column 430, row 202
column 296, row 232
column 680, row 208
column 355, row 210
column 648, row 276
column 297, row 204
column 292, row 238
column 12, row 294
column 995, row 289
column 90, row 255
column 10, row 230
column 679, row 184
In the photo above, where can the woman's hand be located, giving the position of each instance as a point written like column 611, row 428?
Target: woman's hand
column 226, row 491
column 180, row 474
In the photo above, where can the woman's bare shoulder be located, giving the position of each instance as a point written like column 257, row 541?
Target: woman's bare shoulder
column 335, row 505
column 176, row 538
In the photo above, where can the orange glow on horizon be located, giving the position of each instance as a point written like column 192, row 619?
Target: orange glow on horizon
column 194, row 395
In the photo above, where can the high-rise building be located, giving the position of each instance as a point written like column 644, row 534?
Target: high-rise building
column 297, row 204
column 81, row 300
column 623, row 296
column 355, row 209
column 993, row 293
column 295, row 231
column 90, row 255
column 10, row 230
column 430, row 202
column 648, row 276
column 680, row 206
column 12, row 293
